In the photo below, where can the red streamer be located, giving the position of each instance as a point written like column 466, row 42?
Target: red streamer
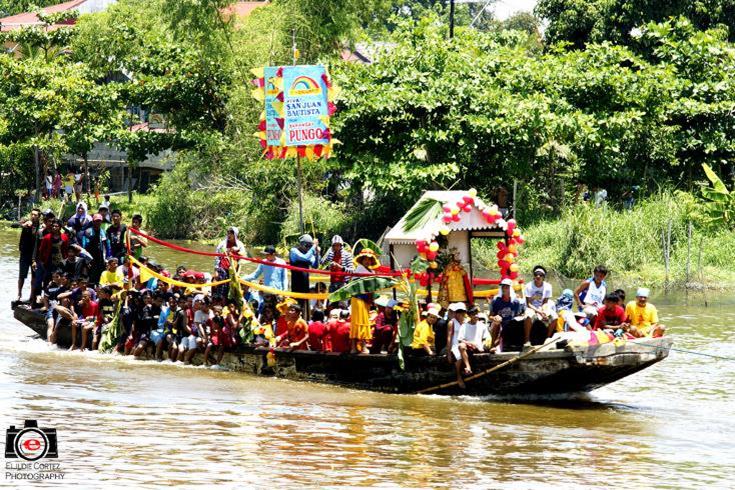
column 258, row 261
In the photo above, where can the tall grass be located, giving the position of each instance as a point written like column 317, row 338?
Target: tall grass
column 629, row 243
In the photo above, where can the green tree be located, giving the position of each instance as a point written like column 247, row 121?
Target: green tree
column 584, row 21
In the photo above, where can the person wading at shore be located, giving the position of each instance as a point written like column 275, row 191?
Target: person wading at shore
column 27, row 246
column 305, row 256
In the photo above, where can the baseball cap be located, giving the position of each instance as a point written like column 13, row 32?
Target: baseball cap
column 506, row 282
column 97, row 217
column 433, row 312
column 643, row 292
column 457, row 307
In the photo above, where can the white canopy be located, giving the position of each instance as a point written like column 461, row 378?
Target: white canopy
column 471, row 221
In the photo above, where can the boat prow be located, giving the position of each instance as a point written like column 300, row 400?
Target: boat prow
column 559, row 368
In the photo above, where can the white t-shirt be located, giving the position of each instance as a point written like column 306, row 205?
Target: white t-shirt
column 202, row 317
column 474, row 334
column 538, row 294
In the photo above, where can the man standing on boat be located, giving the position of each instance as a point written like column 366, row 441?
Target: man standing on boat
column 305, row 256
column 116, row 235
column 339, row 260
column 27, row 247
column 94, row 241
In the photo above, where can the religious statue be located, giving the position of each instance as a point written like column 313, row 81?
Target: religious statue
column 455, row 286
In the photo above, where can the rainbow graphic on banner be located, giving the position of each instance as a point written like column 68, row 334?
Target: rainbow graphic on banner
column 304, row 86
column 298, row 102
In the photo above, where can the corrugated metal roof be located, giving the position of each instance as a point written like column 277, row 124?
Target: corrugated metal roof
column 469, row 221
column 30, row 18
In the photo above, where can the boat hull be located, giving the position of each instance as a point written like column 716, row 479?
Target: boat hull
column 551, row 371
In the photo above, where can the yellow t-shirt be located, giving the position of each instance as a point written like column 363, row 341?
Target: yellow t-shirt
column 423, row 335
column 641, row 317
column 108, row 277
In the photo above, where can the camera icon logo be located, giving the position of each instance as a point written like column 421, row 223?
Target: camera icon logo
column 31, row 442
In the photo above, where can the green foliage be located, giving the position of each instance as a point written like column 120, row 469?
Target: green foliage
column 423, row 212
column 486, row 109
column 629, row 243
column 12, row 7
column 322, row 218
column 588, row 21
column 718, row 206
column 362, row 285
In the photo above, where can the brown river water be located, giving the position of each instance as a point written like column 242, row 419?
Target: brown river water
column 127, row 423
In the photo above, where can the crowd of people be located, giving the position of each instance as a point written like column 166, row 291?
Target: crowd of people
column 83, row 282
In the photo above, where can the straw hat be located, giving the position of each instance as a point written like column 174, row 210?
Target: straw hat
column 367, row 255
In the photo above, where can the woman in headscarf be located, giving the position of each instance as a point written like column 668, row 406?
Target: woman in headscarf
column 80, row 221
column 230, row 245
column 360, row 329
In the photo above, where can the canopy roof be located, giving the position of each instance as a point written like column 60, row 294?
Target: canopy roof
column 471, row 221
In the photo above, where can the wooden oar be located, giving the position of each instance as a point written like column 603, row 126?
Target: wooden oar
column 523, row 355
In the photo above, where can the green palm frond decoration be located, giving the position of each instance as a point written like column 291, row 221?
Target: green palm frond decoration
column 362, row 285
column 423, row 212
column 369, row 244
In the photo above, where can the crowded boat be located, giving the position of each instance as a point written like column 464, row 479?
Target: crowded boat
column 90, row 275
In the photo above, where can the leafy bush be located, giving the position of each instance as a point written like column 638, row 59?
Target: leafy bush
column 322, row 218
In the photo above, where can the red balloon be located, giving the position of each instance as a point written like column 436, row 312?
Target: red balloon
column 447, row 218
column 467, row 208
column 500, row 254
column 447, row 209
column 501, row 245
column 430, row 255
column 456, row 218
column 468, row 199
column 503, row 264
column 513, row 275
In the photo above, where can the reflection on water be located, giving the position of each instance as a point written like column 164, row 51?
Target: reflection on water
column 134, row 423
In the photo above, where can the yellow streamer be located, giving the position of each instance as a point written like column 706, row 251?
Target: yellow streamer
column 174, row 282
column 278, row 292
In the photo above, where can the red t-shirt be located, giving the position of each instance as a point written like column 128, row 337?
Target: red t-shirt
column 281, row 326
column 89, row 310
column 341, row 338
column 316, row 336
column 606, row 317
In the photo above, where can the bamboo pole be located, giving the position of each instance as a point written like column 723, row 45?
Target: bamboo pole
column 523, row 355
column 689, row 249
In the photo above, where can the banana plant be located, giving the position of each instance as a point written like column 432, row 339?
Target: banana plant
column 719, row 203
column 405, row 284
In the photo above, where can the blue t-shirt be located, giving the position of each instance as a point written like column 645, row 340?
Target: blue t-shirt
column 507, row 309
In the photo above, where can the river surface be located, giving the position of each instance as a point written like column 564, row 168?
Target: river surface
column 126, row 423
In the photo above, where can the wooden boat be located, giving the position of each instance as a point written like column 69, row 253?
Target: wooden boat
column 557, row 369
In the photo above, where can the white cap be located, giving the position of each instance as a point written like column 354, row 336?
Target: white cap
column 644, row 292
column 334, row 313
column 337, row 239
column 433, row 312
column 506, row 282
column 457, row 307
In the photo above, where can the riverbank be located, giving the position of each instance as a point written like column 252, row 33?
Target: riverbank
column 631, row 243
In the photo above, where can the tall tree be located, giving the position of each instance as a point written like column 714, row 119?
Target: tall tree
column 583, row 21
